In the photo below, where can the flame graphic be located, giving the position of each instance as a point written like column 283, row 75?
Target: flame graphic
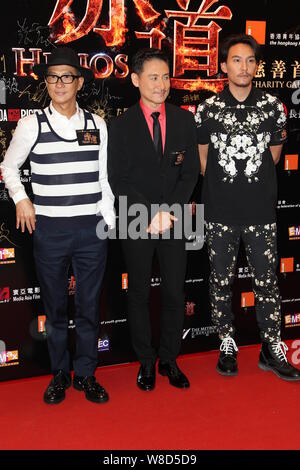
column 115, row 35
column 191, row 64
column 60, row 8
column 145, row 11
column 68, row 22
column 71, row 32
column 184, row 4
column 199, row 84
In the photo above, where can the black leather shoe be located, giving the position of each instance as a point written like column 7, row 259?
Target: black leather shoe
column 174, row 374
column 227, row 363
column 146, row 377
column 93, row 390
column 55, row 392
column 272, row 357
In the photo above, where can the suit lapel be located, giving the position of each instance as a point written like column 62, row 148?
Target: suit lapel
column 170, row 125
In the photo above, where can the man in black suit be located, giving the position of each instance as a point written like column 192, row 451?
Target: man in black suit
column 152, row 160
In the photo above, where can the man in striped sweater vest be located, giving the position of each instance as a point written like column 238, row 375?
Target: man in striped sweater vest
column 66, row 146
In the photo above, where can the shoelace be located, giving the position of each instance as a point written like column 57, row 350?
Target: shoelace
column 91, row 385
column 89, row 382
column 228, row 346
column 60, row 381
column 280, row 349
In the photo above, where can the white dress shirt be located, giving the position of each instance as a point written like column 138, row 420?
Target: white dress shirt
column 25, row 136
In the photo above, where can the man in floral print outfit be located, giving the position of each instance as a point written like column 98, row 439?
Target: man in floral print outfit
column 240, row 135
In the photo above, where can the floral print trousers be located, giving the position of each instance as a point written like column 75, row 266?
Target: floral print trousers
column 260, row 245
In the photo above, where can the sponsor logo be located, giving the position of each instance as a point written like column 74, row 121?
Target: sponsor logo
column 71, row 325
column 25, row 175
column 185, row 333
column 9, row 358
column 124, row 281
column 4, row 295
column 113, row 322
column 287, row 205
column 291, row 300
column 202, row 331
column 3, row 115
column 103, row 344
column 155, row 281
column 41, row 323
column 287, row 265
column 292, row 320
column 244, row 273
column 190, row 309
column 26, row 293
column 284, row 39
column 257, row 29
column 193, row 281
column 7, row 255
column 13, row 114
column 72, row 285
column 291, row 162
column 27, row 112
column 294, row 233
column 247, row 299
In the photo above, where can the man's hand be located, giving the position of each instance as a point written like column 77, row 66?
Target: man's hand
column 25, row 215
column 161, row 222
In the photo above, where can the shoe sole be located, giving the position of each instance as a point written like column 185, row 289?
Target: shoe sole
column 145, row 389
column 269, row 369
column 227, row 374
column 56, row 402
column 80, row 389
column 164, row 374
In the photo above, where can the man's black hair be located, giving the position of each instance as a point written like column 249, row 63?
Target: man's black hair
column 143, row 55
column 234, row 39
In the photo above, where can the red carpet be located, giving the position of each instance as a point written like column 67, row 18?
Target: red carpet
column 255, row 410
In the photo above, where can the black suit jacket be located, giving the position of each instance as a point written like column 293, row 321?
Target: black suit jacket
column 134, row 169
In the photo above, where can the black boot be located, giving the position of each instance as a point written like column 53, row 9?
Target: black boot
column 227, row 363
column 273, row 357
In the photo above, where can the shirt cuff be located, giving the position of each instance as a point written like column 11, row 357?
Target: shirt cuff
column 19, row 196
column 107, row 210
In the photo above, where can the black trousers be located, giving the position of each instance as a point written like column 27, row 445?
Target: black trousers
column 260, row 244
column 54, row 252
column 172, row 260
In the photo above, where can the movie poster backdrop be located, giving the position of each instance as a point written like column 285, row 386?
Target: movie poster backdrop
column 105, row 34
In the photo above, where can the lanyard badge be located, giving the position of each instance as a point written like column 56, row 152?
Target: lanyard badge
column 90, row 137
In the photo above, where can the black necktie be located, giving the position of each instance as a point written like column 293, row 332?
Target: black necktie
column 157, row 139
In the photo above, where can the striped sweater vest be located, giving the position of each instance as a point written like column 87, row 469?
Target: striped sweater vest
column 64, row 177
